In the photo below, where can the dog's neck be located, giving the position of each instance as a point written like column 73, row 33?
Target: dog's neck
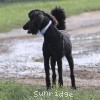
column 45, row 28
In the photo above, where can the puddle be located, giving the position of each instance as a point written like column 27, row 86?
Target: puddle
column 23, row 57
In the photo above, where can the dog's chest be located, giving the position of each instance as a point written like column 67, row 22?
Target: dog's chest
column 54, row 47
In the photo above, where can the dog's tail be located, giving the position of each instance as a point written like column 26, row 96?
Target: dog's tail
column 60, row 16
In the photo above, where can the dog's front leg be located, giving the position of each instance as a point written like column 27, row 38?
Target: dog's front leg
column 53, row 63
column 47, row 73
column 59, row 63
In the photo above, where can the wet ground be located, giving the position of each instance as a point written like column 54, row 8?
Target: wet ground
column 21, row 53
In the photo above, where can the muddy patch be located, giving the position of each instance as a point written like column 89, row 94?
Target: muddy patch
column 21, row 57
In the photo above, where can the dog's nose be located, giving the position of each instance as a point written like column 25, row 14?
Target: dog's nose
column 26, row 26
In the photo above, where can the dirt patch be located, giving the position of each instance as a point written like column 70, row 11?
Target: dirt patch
column 84, row 74
column 83, row 79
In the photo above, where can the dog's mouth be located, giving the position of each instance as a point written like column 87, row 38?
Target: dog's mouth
column 31, row 31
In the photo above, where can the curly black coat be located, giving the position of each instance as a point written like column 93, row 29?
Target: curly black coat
column 56, row 43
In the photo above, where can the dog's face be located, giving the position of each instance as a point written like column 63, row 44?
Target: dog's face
column 36, row 18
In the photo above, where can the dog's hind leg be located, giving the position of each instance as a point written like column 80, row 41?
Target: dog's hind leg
column 71, row 64
column 59, row 63
column 46, row 67
column 53, row 63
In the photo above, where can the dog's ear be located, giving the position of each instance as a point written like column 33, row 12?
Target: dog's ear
column 52, row 18
column 26, row 26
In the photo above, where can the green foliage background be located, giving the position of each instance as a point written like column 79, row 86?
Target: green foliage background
column 13, row 14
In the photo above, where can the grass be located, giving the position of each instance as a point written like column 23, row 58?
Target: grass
column 14, row 15
column 10, row 90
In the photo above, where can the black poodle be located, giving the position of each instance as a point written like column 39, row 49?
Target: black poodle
column 56, row 43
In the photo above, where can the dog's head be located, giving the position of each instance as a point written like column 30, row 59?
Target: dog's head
column 36, row 18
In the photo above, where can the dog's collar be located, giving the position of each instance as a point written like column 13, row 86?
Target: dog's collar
column 44, row 29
